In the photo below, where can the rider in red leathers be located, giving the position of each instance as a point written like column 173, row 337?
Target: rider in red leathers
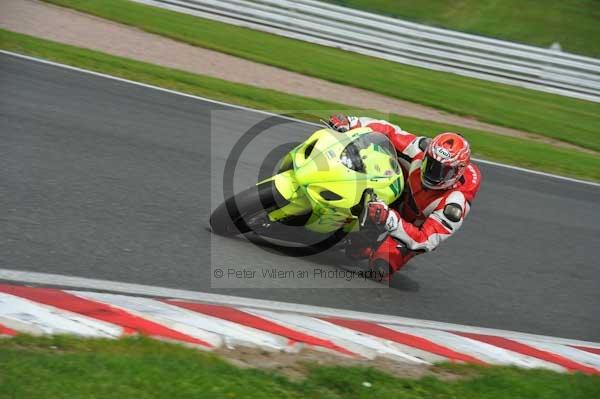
column 440, row 185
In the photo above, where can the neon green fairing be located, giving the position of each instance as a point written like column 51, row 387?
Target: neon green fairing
column 318, row 177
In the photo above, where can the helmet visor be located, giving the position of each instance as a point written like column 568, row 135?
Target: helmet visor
column 435, row 173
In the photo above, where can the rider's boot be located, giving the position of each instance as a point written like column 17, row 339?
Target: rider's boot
column 389, row 257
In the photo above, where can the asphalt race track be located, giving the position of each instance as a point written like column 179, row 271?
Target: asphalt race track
column 105, row 179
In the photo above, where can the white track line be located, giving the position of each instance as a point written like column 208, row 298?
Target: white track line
column 56, row 64
column 147, row 290
column 537, row 172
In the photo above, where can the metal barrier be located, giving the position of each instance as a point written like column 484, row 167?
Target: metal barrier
column 407, row 43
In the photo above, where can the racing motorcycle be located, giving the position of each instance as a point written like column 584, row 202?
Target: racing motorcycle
column 322, row 185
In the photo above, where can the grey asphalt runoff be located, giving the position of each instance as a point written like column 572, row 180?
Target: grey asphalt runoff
column 105, row 179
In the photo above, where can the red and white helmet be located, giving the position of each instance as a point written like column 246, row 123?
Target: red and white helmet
column 446, row 158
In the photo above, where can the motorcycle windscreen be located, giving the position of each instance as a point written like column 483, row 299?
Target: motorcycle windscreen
column 372, row 154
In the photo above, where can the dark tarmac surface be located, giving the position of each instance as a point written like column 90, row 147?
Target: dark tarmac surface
column 104, row 179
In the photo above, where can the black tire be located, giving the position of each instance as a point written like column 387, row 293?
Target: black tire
column 235, row 215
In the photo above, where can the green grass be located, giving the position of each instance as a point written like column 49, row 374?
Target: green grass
column 516, row 151
column 575, row 24
column 68, row 367
column 563, row 118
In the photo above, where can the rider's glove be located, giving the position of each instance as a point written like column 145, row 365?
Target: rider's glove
column 378, row 212
column 343, row 123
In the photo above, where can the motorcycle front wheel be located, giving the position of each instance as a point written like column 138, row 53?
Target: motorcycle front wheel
column 246, row 211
